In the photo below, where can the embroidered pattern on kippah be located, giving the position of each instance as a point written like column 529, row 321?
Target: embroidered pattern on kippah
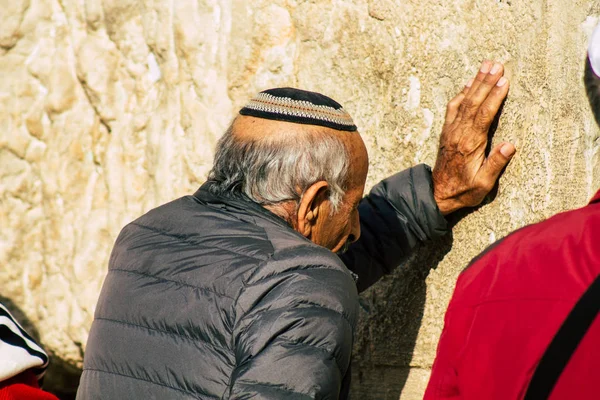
column 266, row 102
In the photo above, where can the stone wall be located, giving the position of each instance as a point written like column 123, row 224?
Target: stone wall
column 111, row 107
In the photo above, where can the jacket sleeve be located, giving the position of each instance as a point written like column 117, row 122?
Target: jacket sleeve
column 295, row 341
column 399, row 213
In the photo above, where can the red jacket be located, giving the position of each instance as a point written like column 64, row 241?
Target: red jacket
column 23, row 387
column 507, row 307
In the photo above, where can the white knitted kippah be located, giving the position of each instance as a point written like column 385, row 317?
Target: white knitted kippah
column 299, row 106
column 594, row 51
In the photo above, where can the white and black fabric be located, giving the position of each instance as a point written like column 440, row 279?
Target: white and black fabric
column 594, row 51
column 18, row 351
column 212, row 297
column 300, row 107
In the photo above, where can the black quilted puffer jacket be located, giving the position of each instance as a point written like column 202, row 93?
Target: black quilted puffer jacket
column 217, row 298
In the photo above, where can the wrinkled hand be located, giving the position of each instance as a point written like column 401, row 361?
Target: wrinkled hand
column 463, row 176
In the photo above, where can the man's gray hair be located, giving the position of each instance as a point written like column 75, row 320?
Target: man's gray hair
column 278, row 168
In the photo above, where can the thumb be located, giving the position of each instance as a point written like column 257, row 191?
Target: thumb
column 498, row 159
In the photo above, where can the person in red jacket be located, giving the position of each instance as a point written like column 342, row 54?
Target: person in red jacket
column 23, row 362
column 522, row 323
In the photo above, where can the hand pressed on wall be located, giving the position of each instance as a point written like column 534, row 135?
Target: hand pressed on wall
column 462, row 175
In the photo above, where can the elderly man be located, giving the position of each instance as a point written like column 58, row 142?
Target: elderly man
column 522, row 323
column 236, row 292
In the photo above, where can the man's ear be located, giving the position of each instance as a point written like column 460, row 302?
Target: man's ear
column 308, row 209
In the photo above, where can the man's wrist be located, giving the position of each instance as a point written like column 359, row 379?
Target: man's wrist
column 447, row 206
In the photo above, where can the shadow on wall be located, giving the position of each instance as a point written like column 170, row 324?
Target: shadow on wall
column 391, row 315
column 62, row 377
column 390, row 318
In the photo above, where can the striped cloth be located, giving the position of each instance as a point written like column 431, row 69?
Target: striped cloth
column 18, row 351
column 594, row 50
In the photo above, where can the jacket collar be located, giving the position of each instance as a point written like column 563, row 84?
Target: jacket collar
column 242, row 203
column 596, row 198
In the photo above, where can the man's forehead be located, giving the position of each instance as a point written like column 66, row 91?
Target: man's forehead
column 299, row 107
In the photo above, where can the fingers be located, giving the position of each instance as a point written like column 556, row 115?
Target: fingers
column 498, row 159
column 487, row 79
column 454, row 104
column 485, row 68
column 490, row 107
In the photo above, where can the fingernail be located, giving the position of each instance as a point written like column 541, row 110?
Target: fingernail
column 485, row 67
column 508, row 150
column 502, row 82
column 495, row 69
column 470, row 83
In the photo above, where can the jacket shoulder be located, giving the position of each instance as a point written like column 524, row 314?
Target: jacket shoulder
column 304, row 268
column 557, row 252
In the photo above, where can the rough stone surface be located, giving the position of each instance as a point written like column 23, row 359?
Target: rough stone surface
column 111, row 107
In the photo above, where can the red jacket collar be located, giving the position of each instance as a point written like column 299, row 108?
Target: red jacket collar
column 596, row 198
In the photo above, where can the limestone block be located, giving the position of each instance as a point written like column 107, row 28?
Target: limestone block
column 109, row 108
column 11, row 16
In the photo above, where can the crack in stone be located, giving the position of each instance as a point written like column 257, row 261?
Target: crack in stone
column 101, row 119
